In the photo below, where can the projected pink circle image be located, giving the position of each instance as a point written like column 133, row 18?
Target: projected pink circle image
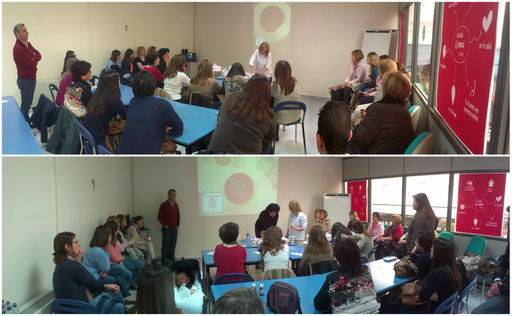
column 272, row 18
column 239, row 188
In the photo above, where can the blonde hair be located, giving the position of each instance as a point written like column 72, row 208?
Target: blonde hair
column 139, row 51
column 374, row 59
column 264, row 49
column 294, row 207
column 398, row 219
column 354, row 213
column 386, row 65
column 396, row 85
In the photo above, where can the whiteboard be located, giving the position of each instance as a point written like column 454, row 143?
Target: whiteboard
column 378, row 41
column 338, row 205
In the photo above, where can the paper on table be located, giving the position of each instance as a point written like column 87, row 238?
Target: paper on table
column 3, row 101
column 296, row 254
column 210, row 253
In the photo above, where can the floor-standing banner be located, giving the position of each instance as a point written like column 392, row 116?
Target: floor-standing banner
column 465, row 69
column 359, row 197
column 480, row 204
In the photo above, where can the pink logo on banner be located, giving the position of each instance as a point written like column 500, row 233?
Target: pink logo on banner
column 465, row 69
column 480, row 204
column 359, row 198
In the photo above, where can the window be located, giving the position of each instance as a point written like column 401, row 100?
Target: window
column 485, row 213
column 424, row 47
column 436, row 189
column 386, row 197
column 410, row 29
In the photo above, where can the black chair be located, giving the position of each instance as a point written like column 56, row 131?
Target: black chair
column 201, row 100
column 53, row 88
column 290, row 106
column 322, row 267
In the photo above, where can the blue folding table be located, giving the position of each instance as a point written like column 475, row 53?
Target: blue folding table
column 17, row 136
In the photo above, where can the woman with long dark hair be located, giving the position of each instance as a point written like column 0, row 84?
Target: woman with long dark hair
column 155, row 294
column 363, row 238
column 235, row 79
column 104, row 106
column 115, row 59
column 285, row 88
column 246, row 122
column 350, row 290
column 127, row 62
column 424, row 220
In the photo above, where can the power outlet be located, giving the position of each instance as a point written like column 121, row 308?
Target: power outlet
column 93, row 184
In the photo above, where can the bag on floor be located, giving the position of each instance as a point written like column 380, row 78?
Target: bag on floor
column 283, row 298
column 411, row 294
column 487, row 268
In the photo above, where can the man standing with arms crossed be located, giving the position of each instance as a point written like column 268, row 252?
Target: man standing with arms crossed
column 169, row 217
column 26, row 58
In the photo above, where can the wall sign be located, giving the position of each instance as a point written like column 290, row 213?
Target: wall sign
column 359, row 198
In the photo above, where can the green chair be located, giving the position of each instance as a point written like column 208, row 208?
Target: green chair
column 446, row 235
column 477, row 245
column 406, row 229
column 366, row 224
column 386, row 226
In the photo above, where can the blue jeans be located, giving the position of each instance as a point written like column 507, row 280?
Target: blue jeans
column 366, row 85
column 123, row 276
column 27, row 87
column 116, row 302
column 169, row 239
column 498, row 304
column 135, row 266
column 342, row 94
column 106, row 280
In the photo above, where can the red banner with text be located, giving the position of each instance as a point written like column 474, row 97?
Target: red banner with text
column 359, row 198
column 480, row 204
column 465, row 69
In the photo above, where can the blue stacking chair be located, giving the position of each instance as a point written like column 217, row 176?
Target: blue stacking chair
column 103, row 151
column 67, row 306
column 86, row 139
column 233, row 278
column 447, row 305
column 53, row 89
column 292, row 105
column 460, row 304
column 372, row 251
column 423, row 144
column 363, row 259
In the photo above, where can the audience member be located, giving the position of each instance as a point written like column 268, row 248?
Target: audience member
column 235, row 80
column 65, row 80
column 350, row 290
column 246, row 122
column 297, row 223
column 153, row 61
column 96, row 259
column 145, row 243
column 148, row 119
column 363, row 238
column 373, row 61
column 423, row 220
column 268, row 218
column 420, row 254
column 352, row 215
column 115, row 59
column 203, row 83
column 176, row 79
column 275, row 253
column 241, row 300
column 375, row 94
column 229, row 257
column 386, row 128
column 69, row 54
column 376, row 227
column 155, row 294
column 317, row 250
column 334, row 131
column 261, row 60
column 389, row 241
column 152, row 50
column 338, row 229
column 133, row 256
column 358, row 74
column 321, row 220
column 128, row 59
column 285, row 88
column 104, row 106
column 72, row 281
column 78, row 93
column 140, row 61
column 163, row 55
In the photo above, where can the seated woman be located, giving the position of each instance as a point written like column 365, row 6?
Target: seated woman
column 235, row 80
column 127, row 62
column 317, row 250
column 203, row 83
column 275, row 254
column 148, row 119
column 176, row 79
column 339, row 231
column 65, row 79
column 363, row 238
column 358, row 74
column 140, row 61
column 285, row 88
column 239, row 301
column 115, row 59
column 78, row 93
column 163, row 55
column 72, row 281
column 142, row 243
column 386, row 128
column 389, row 241
column 155, row 294
column 350, row 290
column 442, row 282
column 69, row 54
column 152, row 63
column 373, row 60
column 321, row 220
column 105, row 105
column 421, row 254
column 376, row 227
column 246, row 122
column 352, row 215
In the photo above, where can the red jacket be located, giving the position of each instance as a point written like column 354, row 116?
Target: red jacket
column 169, row 215
column 155, row 72
column 26, row 59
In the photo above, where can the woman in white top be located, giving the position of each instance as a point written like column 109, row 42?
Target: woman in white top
column 261, row 60
column 297, row 223
column 274, row 250
column 175, row 77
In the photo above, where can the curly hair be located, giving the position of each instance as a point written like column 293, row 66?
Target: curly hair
column 272, row 241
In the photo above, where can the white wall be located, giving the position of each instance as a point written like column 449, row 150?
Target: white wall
column 44, row 196
column 304, row 179
column 322, row 35
column 92, row 30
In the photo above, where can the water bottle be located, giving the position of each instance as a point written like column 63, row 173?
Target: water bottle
column 248, row 238
column 15, row 308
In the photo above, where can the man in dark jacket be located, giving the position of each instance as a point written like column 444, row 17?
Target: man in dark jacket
column 268, row 218
column 499, row 295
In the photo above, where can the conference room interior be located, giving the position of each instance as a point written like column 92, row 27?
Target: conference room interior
column 417, row 44
column 78, row 194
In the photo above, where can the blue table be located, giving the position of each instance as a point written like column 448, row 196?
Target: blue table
column 382, row 272
column 198, row 122
column 17, row 137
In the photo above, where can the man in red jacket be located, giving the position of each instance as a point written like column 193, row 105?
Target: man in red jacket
column 169, row 217
column 26, row 58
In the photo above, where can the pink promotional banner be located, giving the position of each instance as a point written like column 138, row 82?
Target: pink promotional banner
column 465, row 69
column 480, row 204
column 359, row 198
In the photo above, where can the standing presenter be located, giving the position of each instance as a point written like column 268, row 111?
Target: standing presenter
column 261, row 60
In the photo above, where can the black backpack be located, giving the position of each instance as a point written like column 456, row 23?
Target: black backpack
column 283, row 298
column 463, row 274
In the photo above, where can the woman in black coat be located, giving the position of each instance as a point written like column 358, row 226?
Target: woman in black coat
column 268, row 218
column 386, row 128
